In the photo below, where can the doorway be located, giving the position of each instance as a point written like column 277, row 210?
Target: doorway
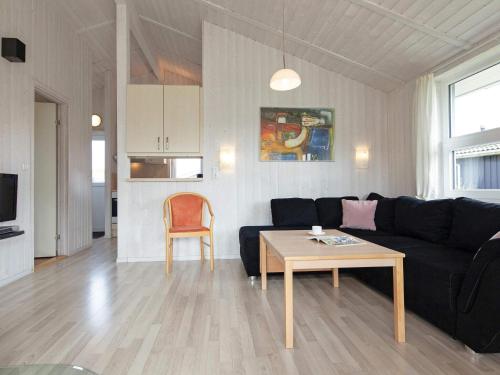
column 98, row 184
column 45, row 180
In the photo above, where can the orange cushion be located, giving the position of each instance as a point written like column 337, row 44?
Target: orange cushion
column 186, row 210
column 188, row 229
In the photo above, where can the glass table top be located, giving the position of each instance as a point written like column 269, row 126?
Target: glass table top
column 45, row 370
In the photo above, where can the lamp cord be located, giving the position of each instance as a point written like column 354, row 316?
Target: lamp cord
column 283, row 29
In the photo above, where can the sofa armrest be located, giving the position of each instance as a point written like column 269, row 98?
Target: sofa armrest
column 478, row 325
column 249, row 246
column 483, row 259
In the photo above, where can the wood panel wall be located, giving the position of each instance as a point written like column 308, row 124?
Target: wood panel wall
column 401, row 138
column 236, row 72
column 58, row 61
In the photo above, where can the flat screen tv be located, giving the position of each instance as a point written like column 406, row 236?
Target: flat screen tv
column 8, row 196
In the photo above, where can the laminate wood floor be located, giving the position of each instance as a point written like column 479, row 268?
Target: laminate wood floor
column 130, row 319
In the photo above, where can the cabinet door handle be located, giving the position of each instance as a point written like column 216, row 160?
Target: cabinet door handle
column 158, row 143
column 166, row 143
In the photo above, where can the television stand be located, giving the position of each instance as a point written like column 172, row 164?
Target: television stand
column 15, row 233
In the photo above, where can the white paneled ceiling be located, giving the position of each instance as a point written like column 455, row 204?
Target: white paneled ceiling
column 382, row 43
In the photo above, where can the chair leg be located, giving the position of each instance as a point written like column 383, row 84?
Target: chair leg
column 171, row 256
column 167, row 253
column 211, row 251
column 202, row 249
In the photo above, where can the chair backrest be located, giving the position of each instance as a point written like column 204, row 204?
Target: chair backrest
column 185, row 209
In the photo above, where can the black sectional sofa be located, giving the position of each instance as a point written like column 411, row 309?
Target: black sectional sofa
column 452, row 266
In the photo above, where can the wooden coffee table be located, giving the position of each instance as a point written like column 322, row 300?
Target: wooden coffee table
column 296, row 253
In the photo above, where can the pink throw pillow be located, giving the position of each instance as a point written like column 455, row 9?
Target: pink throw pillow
column 358, row 214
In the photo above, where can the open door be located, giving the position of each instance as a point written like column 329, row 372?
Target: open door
column 45, row 183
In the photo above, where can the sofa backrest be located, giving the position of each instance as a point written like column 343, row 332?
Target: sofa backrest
column 385, row 212
column 428, row 220
column 474, row 222
column 330, row 211
column 293, row 212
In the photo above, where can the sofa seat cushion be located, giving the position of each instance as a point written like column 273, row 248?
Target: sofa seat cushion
column 433, row 277
column 427, row 220
column 386, row 239
column 440, row 262
column 474, row 222
column 293, row 212
column 330, row 211
column 192, row 228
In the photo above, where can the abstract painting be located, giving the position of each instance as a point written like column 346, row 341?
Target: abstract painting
column 297, row 134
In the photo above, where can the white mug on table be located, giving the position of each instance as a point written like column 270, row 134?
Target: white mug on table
column 317, row 229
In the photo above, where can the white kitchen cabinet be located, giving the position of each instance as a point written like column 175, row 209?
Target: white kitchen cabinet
column 163, row 120
column 181, row 119
column 145, row 119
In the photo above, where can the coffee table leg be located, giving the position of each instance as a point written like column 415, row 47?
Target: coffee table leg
column 263, row 263
column 335, row 277
column 288, row 304
column 399, row 301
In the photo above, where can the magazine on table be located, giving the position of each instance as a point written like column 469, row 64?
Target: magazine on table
column 337, row 240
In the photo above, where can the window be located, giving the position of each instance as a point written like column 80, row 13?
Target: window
column 477, row 168
column 475, row 102
column 98, row 161
column 470, row 106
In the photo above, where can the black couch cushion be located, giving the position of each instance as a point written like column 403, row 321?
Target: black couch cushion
column 374, row 196
column 474, row 222
column 428, row 220
column 293, row 212
column 433, row 277
column 389, row 240
column 385, row 213
column 330, row 211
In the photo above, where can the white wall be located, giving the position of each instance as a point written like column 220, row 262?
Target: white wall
column 59, row 61
column 401, row 138
column 236, row 72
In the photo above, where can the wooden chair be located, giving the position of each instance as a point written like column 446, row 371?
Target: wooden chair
column 185, row 219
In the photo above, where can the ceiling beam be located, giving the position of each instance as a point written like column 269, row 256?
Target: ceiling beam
column 96, row 26
column 138, row 32
column 300, row 41
column 374, row 7
column 173, row 29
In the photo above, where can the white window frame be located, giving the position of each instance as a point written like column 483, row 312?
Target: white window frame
column 449, row 144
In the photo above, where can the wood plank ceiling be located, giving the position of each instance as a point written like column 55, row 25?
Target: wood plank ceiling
column 382, row 43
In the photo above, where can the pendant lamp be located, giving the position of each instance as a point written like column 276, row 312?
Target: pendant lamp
column 284, row 79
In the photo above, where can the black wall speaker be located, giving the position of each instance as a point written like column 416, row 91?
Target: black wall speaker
column 13, row 50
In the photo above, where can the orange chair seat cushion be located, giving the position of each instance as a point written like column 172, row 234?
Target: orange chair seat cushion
column 191, row 228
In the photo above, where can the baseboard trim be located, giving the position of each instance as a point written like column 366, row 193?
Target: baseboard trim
column 162, row 258
column 15, row 277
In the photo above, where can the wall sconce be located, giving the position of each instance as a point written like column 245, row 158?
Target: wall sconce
column 226, row 158
column 362, row 157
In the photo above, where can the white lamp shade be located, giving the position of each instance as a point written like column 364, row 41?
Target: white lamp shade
column 284, row 80
column 362, row 157
column 226, row 158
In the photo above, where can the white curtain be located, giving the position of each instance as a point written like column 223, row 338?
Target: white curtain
column 427, row 137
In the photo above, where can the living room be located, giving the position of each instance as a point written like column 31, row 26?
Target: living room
column 388, row 119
